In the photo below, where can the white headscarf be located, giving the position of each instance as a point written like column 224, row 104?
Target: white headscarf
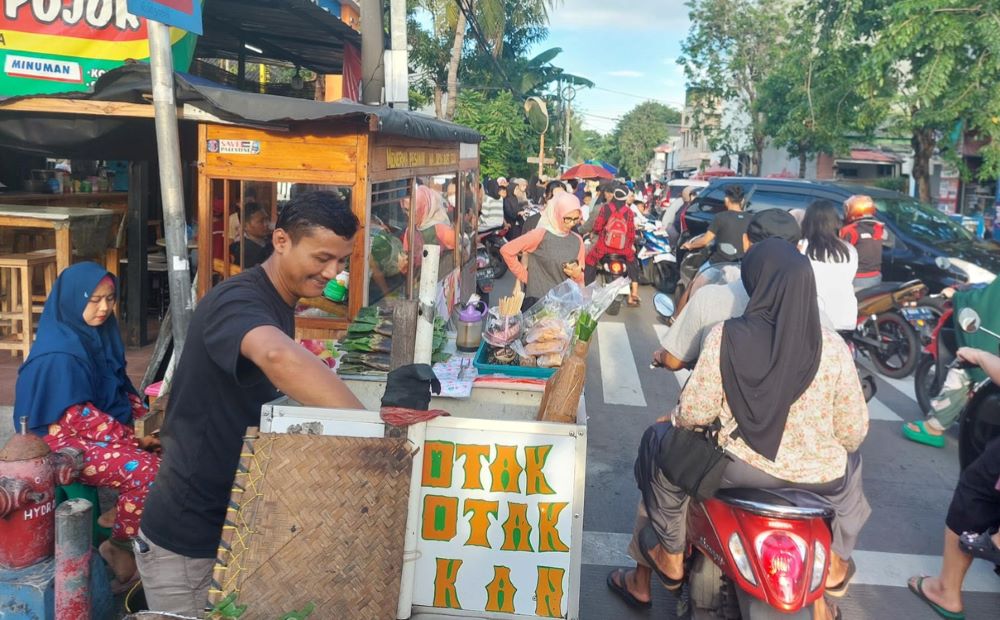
column 561, row 205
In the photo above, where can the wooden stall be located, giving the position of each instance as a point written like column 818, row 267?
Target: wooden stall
column 377, row 172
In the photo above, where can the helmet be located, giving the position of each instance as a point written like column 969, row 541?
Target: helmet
column 857, row 207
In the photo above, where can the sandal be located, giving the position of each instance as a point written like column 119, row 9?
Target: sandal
column 980, row 546
column 923, row 435
column 648, row 540
column 633, row 302
column 121, row 587
column 620, row 588
column 918, row 589
column 840, row 589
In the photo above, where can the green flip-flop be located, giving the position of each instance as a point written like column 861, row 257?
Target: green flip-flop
column 922, row 436
column 918, row 589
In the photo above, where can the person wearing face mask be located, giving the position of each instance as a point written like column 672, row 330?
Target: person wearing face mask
column 551, row 252
column 238, row 355
column 73, row 391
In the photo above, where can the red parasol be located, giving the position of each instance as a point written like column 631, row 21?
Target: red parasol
column 587, row 171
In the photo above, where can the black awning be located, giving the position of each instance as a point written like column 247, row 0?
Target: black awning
column 42, row 134
column 295, row 31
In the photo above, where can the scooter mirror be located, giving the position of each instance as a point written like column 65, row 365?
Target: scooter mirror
column 969, row 320
column 664, row 305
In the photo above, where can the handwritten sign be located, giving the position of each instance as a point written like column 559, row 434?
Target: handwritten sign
column 410, row 158
column 496, row 521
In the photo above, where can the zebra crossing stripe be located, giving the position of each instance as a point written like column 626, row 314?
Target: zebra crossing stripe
column 619, row 375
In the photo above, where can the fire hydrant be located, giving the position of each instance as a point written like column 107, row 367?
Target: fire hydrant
column 29, row 475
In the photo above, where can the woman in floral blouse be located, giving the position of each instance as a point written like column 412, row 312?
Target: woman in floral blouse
column 787, row 395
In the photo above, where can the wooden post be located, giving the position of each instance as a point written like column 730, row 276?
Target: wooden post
column 404, row 333
column 136, row 274
column 74, row 528
column 541, row 153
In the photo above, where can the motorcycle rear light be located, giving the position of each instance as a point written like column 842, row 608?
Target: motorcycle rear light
column 740, row 558
column 819, row 563
column 782, row 556
column 617, row 268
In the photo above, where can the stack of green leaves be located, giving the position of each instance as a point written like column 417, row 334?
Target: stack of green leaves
column 585, row 327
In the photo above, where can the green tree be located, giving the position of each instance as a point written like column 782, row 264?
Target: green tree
column 729, row 52
column 641, row 130
column 804, row 105
column 506, row 135
column 941, row 61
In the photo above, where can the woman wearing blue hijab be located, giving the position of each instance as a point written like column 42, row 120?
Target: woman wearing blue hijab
column 74, row 392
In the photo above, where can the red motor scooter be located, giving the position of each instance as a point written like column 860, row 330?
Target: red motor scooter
column 757, row 554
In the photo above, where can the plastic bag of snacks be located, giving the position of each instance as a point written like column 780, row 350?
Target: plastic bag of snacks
column 500, row 330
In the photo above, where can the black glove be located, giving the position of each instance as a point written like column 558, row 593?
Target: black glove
column 409, row 387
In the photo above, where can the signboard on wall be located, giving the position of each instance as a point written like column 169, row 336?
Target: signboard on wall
column 419, row 158
column 51, row 47
column 183, row 14
column 496, row 521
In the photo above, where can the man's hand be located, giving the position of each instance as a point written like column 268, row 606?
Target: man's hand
column 149, row 443
column 573, row 270
column 970, row 355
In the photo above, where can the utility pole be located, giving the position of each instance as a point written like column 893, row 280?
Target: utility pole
column 372, row 49
column 567, row 95
column 168, row 149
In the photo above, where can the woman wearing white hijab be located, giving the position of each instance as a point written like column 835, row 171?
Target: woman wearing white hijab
column 552, row 252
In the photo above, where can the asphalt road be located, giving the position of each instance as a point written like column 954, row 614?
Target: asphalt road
column 909, row 486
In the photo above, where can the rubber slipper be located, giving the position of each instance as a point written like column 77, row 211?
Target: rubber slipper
column 840, row 589
column 980, row 546
column 923, row 435
column 648, row 540
column 622, row 591
column 918, row 589
column 834, row 609
column 633, row 302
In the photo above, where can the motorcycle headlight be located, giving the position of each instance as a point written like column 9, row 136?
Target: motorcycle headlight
column 973, row 274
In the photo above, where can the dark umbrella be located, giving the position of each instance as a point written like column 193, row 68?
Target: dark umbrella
column 587, row 171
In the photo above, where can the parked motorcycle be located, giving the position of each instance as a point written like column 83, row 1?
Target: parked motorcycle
column 657, row 263
column 883, row 334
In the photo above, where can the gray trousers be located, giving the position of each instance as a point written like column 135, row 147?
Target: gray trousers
column 172, row 582
column 669, row 519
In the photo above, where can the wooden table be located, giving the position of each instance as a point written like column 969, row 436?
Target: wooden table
column 58, row 219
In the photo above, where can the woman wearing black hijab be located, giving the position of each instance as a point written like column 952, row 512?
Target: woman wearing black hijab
column 787, row 395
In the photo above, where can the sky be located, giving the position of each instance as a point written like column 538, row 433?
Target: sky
column 628, row 48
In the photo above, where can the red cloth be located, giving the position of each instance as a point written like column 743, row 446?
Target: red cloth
column 600, row 250
column 111, row 458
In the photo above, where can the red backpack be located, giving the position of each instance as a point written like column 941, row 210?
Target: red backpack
column 616, row 229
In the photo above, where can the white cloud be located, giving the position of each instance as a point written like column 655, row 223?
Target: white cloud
column 661, row 15
column 626, row 73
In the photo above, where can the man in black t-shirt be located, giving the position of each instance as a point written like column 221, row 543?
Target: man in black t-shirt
column 727, row 230
column 239, row 353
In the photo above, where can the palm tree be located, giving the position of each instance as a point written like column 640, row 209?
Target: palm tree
column 491, row 18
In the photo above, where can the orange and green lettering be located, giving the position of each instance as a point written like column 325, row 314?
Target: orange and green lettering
column 445, row 594
column 548, row 532
column 534, row 457
column 439, row 461
column 500, row 592
column 549, row 592
column 516, row 529
column 474, row 457
column 479, row 523
column 506, row 471
column 440, row 517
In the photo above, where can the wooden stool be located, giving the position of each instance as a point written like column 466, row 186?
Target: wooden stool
column 20, row 301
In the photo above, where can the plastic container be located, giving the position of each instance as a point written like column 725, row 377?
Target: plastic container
column 335, row 291
column 511, row 371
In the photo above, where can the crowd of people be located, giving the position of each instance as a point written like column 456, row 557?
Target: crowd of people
column 758, row 327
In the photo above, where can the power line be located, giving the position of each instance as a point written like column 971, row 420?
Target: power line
column 477, row 33
column 643, row 97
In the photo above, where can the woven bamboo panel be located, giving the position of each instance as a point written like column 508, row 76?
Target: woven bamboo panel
column 315, row 519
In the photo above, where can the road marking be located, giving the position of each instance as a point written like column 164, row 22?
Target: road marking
column 661, row 335
column 875, row 568
column 877, row 410
column 619, row 375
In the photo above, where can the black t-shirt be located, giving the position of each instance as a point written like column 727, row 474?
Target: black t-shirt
column 728, row 227
column 216, row 394
column 253, row 252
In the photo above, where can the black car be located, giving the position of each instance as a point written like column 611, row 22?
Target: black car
column 920, row 237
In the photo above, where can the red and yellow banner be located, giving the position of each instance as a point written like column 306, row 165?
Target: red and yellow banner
column 54, row 46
